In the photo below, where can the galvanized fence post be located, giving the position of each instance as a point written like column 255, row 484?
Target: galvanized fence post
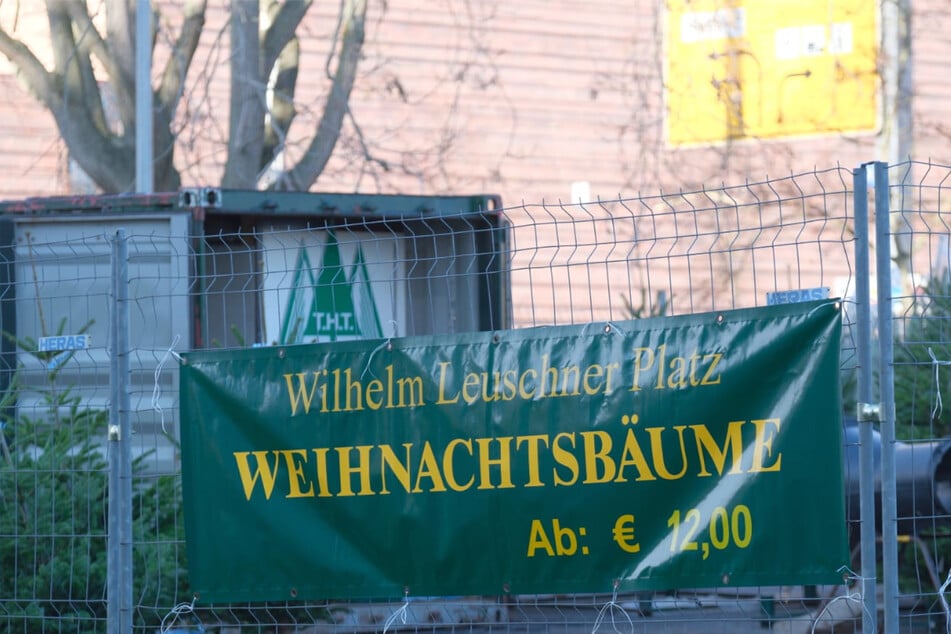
column 886, row 397
column 119, row 561
column 865, row 415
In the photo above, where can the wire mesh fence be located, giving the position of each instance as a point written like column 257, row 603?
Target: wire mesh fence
column 920, row 300
column 254, row 278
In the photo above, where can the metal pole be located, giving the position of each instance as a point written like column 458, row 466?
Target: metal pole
column 112, row 554
column 863, row 345
column 144, row 178
column 887, row 398
column 119, row 556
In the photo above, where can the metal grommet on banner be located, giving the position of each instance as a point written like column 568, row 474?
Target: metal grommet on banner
column 611, row 327
column 606, row 329
column 836, row 304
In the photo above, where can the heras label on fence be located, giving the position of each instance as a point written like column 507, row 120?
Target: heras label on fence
column 63, row 342
column 703, row 450
column 798, row 295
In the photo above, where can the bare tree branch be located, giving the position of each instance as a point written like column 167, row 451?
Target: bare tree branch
column 284, row 22
column 281, row 108
column 264, row 54
column 368, row 156
column 75, row 102
column 246, row 117
column 80, row 92
column 80, row 62
column 61, row 34
column 183, row 51
column 104, row 162
column 305, row 173
column 169, row 93
column 29, row 69
column 280, row 55
column 91, row 45
column 120, row 35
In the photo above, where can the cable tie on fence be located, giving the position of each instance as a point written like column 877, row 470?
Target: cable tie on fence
column 609, row 608
column 944, row 603
column 938, row 405
column 157, row 388
column 177, row 612
column 393, row 323
column 399, row 614
column 855, row 597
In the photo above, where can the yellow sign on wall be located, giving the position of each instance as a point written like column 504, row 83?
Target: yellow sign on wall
column 741, row 69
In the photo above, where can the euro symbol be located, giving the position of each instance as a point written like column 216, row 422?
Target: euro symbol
column 624, row 534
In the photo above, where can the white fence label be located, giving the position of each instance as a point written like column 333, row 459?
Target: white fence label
column 64, row 342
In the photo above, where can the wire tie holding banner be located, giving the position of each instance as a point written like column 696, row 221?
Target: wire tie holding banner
column 157, row 388
column 610, row 327
column 399, row 614
column 936, row 412
column 388, row 344
column 837, row 303
column 944, row 603
column 178, row 612
column 854, row 597
column 609, row 608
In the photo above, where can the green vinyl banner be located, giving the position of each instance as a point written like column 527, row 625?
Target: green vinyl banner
column 691, row 451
